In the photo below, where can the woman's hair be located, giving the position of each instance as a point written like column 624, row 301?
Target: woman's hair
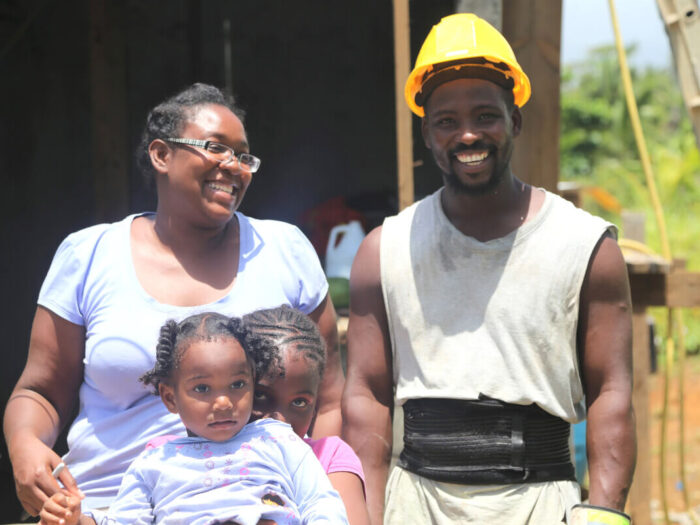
column 284, row 326
column 167, row 119
column 176, row 337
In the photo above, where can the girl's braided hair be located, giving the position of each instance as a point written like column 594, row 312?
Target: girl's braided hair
column 176, row 337
column 284, row 326
column 168, row 118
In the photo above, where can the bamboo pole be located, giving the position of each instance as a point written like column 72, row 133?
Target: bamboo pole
column 404, row 130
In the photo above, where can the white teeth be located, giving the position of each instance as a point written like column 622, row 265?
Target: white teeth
column 220, row 187
column 471, row 158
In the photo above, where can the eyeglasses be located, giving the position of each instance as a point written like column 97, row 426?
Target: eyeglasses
column 222, row 153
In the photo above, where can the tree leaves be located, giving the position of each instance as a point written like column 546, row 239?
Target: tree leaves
column 598, row 150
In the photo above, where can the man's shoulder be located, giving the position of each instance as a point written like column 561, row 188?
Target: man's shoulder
column 565, row 214
column 418, row 207
column 565, row 206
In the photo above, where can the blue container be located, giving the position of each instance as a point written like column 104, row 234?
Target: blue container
column 580, row 459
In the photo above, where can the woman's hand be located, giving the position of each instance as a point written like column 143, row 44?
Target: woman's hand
column 41, row 404
column 32, row 464
column 62, row 508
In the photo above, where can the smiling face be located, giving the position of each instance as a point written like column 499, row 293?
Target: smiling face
column 292, row 397
column 211, row 388
column 191, row 180
column 469, row 127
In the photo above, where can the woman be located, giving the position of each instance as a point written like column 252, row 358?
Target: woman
column 110, row 287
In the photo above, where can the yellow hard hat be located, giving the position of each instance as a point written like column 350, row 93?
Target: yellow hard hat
column 459, row 41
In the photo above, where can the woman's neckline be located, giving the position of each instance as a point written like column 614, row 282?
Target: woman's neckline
column 154, row 301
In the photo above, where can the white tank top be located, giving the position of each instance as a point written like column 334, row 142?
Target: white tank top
column 496, row 318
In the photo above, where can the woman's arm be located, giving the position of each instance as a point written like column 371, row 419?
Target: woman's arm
column 40, row 406
column 349, row 486
column 329, row 420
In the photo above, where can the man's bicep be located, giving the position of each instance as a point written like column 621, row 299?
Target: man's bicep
column 606, row 337
column 369, row 349
column 605, row 322
column 328, row 421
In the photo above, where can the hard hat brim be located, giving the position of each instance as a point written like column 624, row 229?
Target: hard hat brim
column 420, row 83
column 433, row 79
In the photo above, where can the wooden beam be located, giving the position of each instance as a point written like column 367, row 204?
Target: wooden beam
column 404, row 124
column 683, row 289
column 648, row 289
column 108, row 109
column 533, row 28
column 677, row 289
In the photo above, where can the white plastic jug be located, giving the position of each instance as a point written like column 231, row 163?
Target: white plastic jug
column 343, row 242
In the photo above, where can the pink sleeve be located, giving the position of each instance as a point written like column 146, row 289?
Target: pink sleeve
column 336, row 455
column 160, row 440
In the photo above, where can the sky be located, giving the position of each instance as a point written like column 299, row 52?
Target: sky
column 587, row 24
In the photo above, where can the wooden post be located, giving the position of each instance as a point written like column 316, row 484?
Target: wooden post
column 533, row 28
column 108, row 111
column 645, row 268
column 640, row 492
column 404, row 125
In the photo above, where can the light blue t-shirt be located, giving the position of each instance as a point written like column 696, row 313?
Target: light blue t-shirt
column 92, row 282
column 265, row 471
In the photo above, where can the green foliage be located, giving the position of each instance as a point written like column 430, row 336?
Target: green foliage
column 598, row 149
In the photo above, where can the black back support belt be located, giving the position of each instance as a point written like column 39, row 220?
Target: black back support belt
column 484, row 442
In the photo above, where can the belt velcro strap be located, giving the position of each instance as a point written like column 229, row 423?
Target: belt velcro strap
column 484, row 442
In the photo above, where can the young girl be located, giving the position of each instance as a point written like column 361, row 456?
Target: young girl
column 226, row 471
column 289, row 393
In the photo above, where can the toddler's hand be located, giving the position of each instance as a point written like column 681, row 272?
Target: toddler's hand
column 63, row 508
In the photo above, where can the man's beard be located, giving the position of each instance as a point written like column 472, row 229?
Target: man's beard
column 456, row 185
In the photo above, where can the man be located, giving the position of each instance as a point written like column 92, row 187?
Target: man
column 496, row 313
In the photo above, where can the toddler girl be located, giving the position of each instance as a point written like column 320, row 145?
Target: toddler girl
column 289, row 393
column 226, row 470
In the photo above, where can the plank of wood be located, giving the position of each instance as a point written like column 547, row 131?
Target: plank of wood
column 641, row 263
column 683, row 289
column 678, row 289
column 533, row 28
column 404, row 124
column 648, row 289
